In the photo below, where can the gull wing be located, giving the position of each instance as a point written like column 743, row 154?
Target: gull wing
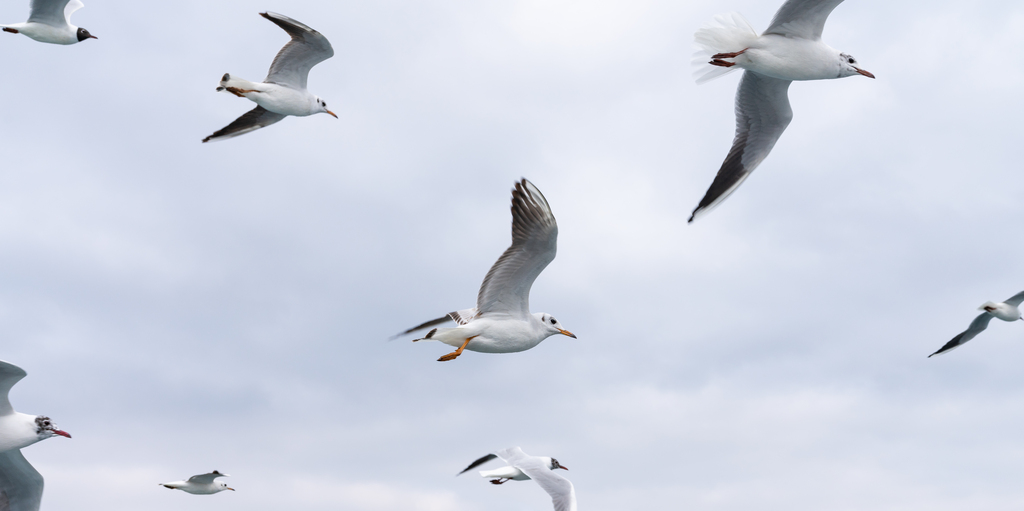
column 306, row 49
column 506, row 288
column 56, row 13
column 252, row 120
column 461, row 317
column 21, row 485
column 563, row 495
column 1015, row 299
column 477, row 463
column 206, row 478
column 9, row 375
column 762, row 114
column 802, row 18
column 979, row 324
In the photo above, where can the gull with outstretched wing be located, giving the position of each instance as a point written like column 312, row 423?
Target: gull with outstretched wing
column 501, row 322
column 49, row 21
column 1006, row 311
column 791, row 49
column 523, row 467
column 283, row 92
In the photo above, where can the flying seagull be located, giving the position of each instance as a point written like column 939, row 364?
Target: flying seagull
column 202, row 484
column 21, row 486
column 283, row 92
column 523, row 467
column 791, row 49
column 50, row 22
column 501, row 321
column 1006, row 311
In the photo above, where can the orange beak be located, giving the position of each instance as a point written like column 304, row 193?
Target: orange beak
column 566, row 332
column 335, row 116
column 863, row 72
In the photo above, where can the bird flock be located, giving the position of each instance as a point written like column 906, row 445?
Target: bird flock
column 790, row 49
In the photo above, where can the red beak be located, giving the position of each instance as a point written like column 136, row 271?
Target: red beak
column 563, row 467
column 61, row 433
column 865, row 73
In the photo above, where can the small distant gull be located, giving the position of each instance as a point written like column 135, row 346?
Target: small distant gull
column 21, row 486
column 523, row 467
column 50, row 22
column 501, row 321
column 202, row 484
column 791, row 49
column 1006, row 311
column 283, row 92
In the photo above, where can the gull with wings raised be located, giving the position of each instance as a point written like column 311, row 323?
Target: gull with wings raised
column 21, row 486
column 49, row 21
column 501, row 322
column 283, row 92
column 791, row 49
column 523, row 467
column 1006, row 311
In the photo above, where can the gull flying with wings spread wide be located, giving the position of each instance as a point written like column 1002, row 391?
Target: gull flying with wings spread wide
column 523, row 467
column 21, row 486
column 283, row 92
column 1006, row 311
column 501, row 322
column 49, row 21
column 791, row 49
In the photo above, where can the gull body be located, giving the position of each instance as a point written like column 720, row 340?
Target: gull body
column 283, row 92
column 202, row 484
column 523, row 467
column 21, row 486
column 790, row 49
column 1007, row 311
column 501, row 322
column 50, row 22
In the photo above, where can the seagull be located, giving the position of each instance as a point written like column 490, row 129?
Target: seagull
column 501, row 321
column 791, row 49
column 202, row 484
column 50, row 22
column 283, row 92
column 523, row 467
column 21, row 486
column 1006, row 311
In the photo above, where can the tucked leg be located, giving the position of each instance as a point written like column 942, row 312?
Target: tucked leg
column 452, row 355
column 722, row 63
column 729, row 55
column 238, row 92
column 11, row 30
column 503, row 480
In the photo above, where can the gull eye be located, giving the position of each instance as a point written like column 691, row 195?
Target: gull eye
column 553, row 321
column 852, row 61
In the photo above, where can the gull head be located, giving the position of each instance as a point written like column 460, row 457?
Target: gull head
column 552, row 325
column 84, row 34
column 223, row 486
column 848, row 66
column 45, row 428
column 554, row 464
column 321, row 107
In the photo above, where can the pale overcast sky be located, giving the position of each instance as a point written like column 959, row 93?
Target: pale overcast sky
column 182, row 307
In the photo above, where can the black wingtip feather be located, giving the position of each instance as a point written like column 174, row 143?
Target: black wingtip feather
column 477, row 463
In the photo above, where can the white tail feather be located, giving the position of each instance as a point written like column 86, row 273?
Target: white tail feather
column 726, row 33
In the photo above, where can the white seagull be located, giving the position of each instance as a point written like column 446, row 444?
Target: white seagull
column 283, row 92
column 501, row 321
column 1006, row 311
column 523, row 467
column 791, row 49
column 21, row 486
column 202, row 484
column 50, row 22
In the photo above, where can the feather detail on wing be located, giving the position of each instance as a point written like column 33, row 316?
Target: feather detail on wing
column 55, row 13
column 979, row 324
column 1015, row 299
column 9, row 375
column 802, row 18
column 762, row 114
column 252, row 120
column 206, row 478
column 506, row 288
column 21, row 485
column 306, row 49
